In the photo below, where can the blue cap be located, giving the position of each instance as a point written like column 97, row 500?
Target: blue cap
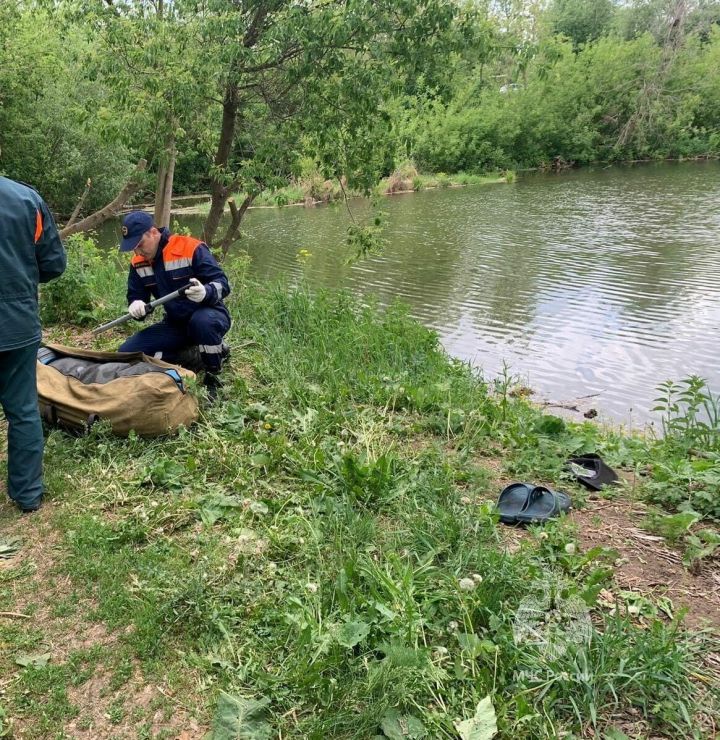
column 134, row 225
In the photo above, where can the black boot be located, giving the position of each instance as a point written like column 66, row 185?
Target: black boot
column 189, row 358
column 212, row 384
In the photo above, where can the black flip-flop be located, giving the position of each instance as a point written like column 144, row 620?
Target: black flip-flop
column 591, row 471
column 543, row 504
column 512, row 501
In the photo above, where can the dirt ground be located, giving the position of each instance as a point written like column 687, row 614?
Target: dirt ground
column 646, row 565
column 63, row 635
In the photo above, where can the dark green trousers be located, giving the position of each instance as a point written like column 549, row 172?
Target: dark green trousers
column 18, row 396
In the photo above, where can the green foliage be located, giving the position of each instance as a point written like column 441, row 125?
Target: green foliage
column 88, row 290
column 365, row 239
column 70, row 298
column 686, row 461
column 582, row 20
column 699, row 544
column 690, row 414
column 682, row 481
column 483, row 726
column 240, row 719
column 673, row 526
column 5, row 726
column 469, row 89
column 52, row 112
column 612, row 99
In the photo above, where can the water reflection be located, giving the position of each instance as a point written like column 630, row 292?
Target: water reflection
column 595, row 282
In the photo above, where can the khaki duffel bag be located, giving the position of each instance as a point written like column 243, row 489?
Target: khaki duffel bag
column 77, row 387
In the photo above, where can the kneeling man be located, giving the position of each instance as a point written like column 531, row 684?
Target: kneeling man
column 164, row 262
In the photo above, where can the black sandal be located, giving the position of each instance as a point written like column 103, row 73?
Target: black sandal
column 592, row 471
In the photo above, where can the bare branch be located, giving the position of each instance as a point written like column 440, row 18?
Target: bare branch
column 79, row 205
column 111, row 209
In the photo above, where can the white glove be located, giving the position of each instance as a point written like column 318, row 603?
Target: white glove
column 197, row 293
column 137, row 309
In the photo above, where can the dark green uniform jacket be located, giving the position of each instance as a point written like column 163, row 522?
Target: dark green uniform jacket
column 30, row 253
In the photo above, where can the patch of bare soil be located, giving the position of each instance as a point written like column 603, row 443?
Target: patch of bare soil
column 647, row 564
column 153, row 703
column 39, row 592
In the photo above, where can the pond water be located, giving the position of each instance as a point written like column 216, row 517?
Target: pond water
column 598, row 283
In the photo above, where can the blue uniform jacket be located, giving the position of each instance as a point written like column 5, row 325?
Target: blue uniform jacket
column 178, row 259
column 30, row 253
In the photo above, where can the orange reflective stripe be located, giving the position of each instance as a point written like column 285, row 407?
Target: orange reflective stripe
column 38, row 226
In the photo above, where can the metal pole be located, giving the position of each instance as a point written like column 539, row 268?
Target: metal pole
column 148, row 309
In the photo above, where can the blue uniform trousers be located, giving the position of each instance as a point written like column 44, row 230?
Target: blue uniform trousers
column 206, row 328
column 18, row 396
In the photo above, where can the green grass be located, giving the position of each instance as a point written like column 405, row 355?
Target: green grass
column 322, row 539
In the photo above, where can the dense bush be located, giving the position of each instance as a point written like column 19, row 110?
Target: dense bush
column 610, row 101
column 89, row 289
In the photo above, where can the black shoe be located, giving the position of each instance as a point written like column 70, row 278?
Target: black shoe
column 30, row 509
column 189, row 358
column 212, row 384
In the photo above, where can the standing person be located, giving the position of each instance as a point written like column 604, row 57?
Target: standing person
column 164, row 262
column 30, row 253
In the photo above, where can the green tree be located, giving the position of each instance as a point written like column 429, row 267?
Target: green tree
column 260, row 83
column 582, row 21
column 160, row 72
column 316, row 74
column 51, row 129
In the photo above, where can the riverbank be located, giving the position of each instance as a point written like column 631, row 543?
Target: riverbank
column 314, row 191
column 319, row 557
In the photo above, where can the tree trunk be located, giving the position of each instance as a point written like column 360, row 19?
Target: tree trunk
column 159, row 192
column 233, row 232
column 169, row 180
column 218, row 189
column 231, row 103
column 163, row 192
column 111, row 209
